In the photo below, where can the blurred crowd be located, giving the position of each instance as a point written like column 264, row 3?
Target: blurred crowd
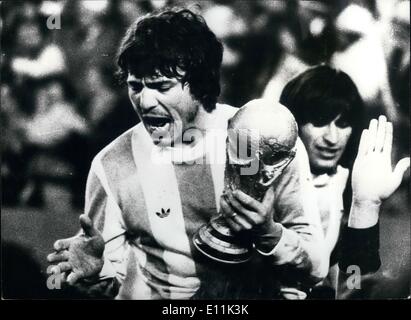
column 60, row 101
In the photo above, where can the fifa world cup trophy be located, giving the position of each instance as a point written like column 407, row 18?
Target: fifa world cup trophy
column 260, row 144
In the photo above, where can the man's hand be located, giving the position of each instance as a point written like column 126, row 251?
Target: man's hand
column 373, row 179
column 80, row 256
column 243, row 212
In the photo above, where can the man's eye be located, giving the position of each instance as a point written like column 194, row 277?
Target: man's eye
column 319, row 121
column 342, row 123
column 136, row 87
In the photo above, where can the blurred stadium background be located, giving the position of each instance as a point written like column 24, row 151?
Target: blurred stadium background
column 60, row 104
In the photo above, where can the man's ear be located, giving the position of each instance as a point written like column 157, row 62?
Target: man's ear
column 185, row 85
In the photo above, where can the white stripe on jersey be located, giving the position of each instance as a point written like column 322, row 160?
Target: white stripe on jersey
column 160, row 188
column 114, row 228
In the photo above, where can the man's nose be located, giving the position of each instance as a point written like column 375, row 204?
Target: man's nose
column 331, row 134
column 147, row 99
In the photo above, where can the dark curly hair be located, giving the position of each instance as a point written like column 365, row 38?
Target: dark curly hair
column 172, row 42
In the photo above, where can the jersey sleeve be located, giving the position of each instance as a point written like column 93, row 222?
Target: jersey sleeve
column 105, row 213
column 301, row 245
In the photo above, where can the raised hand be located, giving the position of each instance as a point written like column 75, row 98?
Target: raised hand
column 373, row 178
column 81, row 257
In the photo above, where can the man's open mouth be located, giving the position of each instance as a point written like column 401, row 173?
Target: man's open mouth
column 157, row 122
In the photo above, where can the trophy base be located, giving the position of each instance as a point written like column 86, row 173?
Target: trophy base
column 216, row 242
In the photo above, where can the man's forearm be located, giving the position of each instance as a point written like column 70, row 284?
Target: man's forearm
column 360, row 247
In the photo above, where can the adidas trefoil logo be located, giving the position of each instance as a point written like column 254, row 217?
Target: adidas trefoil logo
column 163, row 213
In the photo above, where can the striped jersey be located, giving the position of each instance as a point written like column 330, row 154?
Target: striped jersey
column 148, row 202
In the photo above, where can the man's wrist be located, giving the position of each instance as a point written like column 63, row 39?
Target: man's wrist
column 269, row 237
column 364, row 213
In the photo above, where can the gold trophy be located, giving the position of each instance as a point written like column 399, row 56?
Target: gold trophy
column 260, row 144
